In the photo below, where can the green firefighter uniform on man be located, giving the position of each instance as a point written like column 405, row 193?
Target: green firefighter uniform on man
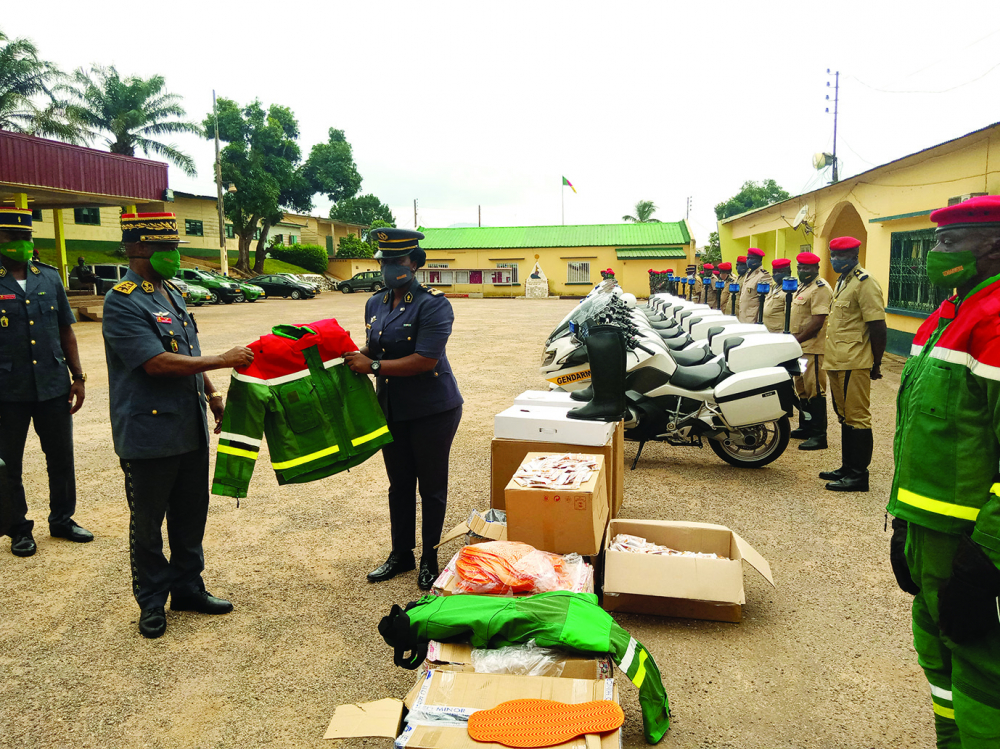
column 945, row 547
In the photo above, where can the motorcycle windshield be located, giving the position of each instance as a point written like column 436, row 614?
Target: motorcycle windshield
column 587, row 309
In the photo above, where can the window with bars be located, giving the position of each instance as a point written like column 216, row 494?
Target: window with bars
column 909, row 289
column 89, row 216
column 513, row 271
column 230, row 232
column 36, row 214
column 578, row 272
column 194, row 228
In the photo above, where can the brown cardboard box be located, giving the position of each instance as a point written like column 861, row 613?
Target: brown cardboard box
column 477, row 530
column 675, row 585
column 563, row 522
column 460, row 694
column 457, row 656
column 506, row 456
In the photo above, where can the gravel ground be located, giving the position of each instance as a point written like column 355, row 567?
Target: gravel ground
column 823, row 660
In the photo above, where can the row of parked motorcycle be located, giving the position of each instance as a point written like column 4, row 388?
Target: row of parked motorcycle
column 676, row 371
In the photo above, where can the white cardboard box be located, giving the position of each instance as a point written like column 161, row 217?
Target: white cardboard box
column 541, row 424
column 547, row 399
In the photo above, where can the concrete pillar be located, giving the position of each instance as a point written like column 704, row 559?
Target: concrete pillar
column 60, row 236
column 21, row 201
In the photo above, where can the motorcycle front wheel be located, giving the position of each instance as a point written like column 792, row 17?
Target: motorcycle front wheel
column 769, row 442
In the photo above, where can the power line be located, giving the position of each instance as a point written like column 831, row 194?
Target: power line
column 941, row 91
column 942, row 59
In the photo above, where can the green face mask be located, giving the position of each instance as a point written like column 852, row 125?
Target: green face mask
column 19, row 250
column 166, row 262
column 950, row 269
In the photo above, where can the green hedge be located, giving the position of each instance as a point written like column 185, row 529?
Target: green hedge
column 309, row 256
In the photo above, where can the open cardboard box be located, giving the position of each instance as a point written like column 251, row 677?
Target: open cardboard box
column 506, row 455
column 457, row 656
column 478, row 529
column 675, row 585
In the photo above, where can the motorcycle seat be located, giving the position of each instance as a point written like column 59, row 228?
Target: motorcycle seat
column 699, row 377
column 678, row 342
column 663, row 324
column 690, row 358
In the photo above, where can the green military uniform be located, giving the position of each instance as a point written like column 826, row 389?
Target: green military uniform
column 811, row 299
column 857, row 301
column 749, row 301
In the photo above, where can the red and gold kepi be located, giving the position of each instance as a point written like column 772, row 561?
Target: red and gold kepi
column 983, row 210
column 150, row 227
column 15, row 219
column 396, row 242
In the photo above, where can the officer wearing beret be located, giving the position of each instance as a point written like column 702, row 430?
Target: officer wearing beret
column 810, row 308
column 726, row 276
column 709, row 294
column 692, row 289
column 774, row 303
column 855, row 342
column 159, row 391
column 945, row 547
column 38, row 353
column 749, row 302
column 407, row 331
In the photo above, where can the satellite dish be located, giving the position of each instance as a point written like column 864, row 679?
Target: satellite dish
column 800, row 217
column 822, row 160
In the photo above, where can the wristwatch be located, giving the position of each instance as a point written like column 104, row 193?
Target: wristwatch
column 209, row 397
column 82, row 377
column 376, row 365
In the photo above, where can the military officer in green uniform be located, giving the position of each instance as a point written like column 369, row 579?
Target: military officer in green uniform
column 159, row 392
column 38, row 354
column 749, row 303
column 810, row 309
column 774, row 302
column 945, row 499
column 855, row 342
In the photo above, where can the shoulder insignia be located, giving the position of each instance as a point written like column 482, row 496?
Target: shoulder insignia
column 435, row 292
column 820, row 282
column 3, row 271
column 125, row 287
column 859, row 275
column 35, row 270
column 147, row 287
column 170, row 285
column 385, row 297
column 46, row 265
column 409, row 297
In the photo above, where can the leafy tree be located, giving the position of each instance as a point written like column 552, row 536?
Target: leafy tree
column 331, row 170
column 376, row 224
column 644, row 211
column 312, row 257
column 364, row 209
column 28, row 86
column 712, row 252
column 353, row 246
column 752, row 195
column 133, row 112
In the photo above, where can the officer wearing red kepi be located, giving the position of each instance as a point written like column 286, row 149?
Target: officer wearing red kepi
column 855, row 342
column 945, row 499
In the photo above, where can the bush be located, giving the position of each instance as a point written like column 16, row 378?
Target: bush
column 312, row 257
column 353, row 247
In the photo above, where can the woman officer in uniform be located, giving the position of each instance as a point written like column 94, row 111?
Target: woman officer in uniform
column 407, row 329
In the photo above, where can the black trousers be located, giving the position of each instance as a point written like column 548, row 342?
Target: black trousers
column 175, row 488
column 54, row 427
column 418, row 455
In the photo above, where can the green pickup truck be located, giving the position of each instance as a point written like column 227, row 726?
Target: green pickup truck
column 223, row 289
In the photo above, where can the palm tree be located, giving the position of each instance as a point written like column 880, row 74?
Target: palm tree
column 644, row 211
column 132, row 110
column 26, row 80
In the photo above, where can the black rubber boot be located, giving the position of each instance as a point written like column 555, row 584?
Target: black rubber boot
column 584, row 395
column 856, row 480
column 817, row 424
column 606, row 353
column 803, row 432
column 845, row 446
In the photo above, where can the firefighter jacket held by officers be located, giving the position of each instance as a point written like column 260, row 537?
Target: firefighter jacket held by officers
column 947, row 444
column 320, row 418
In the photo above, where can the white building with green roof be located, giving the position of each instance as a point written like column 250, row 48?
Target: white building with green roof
column 496, row 260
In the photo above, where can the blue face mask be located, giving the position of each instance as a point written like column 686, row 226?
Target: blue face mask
column 753, row 263
column 780, row 276
column 842, row 264
column 396, row 276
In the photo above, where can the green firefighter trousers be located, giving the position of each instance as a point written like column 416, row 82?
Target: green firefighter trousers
column 964, row 679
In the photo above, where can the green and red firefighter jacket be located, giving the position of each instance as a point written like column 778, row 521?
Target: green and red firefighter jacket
column 319, row 417
column 947, row 445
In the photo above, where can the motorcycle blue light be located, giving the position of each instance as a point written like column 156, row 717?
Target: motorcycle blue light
column 763, row 288
column 734, row 287
column 707, row 281
column 790, row 284
column 720, row 284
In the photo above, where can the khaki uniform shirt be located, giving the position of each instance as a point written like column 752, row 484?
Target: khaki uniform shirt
column 814, row 298
column 857, row 301
column 696, row 292
column 774, row 310
column 749, row 301
column 727, row 304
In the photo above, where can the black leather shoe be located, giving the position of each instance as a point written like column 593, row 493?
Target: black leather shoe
column 854, row 481
column 203, row 602
column 396, row 564
column 71, row 532
column 428, row 573
column 815, row 442
column 834, row 475
column 152, row 623
column 22, row 544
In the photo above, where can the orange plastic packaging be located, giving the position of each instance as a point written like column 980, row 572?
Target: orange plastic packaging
column 501, row 567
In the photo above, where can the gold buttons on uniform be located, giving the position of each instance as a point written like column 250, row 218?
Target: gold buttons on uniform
column 27, row 301
column 154, row 412
column 171, row 332
column 33, row 361
column 32, row 343
column 185, row 325
column 31, row 322
column 191, row 346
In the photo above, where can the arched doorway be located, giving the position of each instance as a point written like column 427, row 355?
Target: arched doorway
column 844, row 221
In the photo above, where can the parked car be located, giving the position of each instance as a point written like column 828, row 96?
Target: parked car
column 108, row 275
column 280, row 285
column 251, row 292
column 193, row 294
column 302, row 280
column 222, row 288
column 369, row 280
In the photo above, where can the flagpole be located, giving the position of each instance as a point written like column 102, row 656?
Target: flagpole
column 562, row 193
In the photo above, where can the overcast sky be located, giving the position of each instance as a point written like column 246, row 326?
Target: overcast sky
column 461, row 104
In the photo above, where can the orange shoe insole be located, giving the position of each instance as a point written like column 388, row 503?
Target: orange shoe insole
column 532, row 723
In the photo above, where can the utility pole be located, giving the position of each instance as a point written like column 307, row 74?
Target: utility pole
column 223, row 255
column 480, row 215
column 688, row 215
column 836, row 102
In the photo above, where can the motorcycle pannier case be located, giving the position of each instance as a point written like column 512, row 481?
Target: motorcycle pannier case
column 768, row 350
column 755, row 397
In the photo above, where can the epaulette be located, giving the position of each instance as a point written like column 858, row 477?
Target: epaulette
column 125, row 287
column 820, row 282
column 432, row 291
column 859, row 275
column 46, row 265
column 385, row 297
column 170, row 286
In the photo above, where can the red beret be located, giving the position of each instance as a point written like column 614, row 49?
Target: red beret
column 781, row 262
column 650, row 270
column 668, row 270
column 708, row 266
column 840, row 244
column 807, row 258
column 725, row 266
column 741, row 259
column 755, row 251
column 984, row 209
column 715, row 272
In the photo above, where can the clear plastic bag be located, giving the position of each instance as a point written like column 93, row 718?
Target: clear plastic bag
column 520, row 660
column 509, row 567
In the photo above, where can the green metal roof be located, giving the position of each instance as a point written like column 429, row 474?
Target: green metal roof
column 638, row 253
column 585, row 235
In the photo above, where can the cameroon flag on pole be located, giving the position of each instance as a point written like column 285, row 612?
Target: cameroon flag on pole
column 569, row 184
